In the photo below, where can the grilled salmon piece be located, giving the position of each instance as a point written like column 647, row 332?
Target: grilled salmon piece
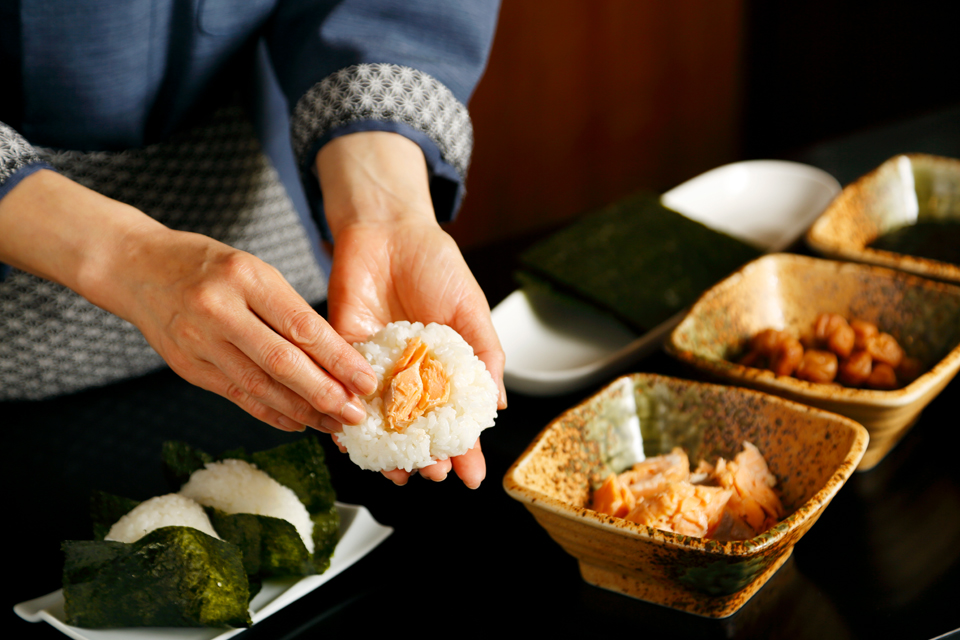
column 689, row 509
column 753, row 498
column 418, row 384
column 613, row 498
column 654, row 474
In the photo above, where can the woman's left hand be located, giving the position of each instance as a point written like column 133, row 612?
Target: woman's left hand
column 392, row 262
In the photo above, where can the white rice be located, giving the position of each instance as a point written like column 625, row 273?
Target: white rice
column 448, row 430
column 162, row 511
column 236, row 486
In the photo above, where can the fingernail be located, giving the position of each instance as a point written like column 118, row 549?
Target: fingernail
column 290, row 425
column 352, row 413
column 364, row 383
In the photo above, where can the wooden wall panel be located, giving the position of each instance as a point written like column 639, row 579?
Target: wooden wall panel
column 586, row 101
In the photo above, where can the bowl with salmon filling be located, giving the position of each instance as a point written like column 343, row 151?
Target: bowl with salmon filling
column 684, row 494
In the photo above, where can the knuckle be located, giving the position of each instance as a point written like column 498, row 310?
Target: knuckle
column 242, row 399
column 305, row 327
column 255, row 383
column 239, row 266
column 283, row 362
column 259, row 411
column 205, row 299
column 340, row 358
column 337, row 359
column 236, row 394
column 328, row 398
column 302, row 413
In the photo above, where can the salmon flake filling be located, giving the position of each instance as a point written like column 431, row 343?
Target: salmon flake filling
column 418, row 385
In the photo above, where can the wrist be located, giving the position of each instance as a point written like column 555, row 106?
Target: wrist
column 123, row 259
column 374, row 178
column 59, row 230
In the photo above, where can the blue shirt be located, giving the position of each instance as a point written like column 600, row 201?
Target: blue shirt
column 116, row 74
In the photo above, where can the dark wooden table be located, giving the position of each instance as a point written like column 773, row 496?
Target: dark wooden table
column 882, row 562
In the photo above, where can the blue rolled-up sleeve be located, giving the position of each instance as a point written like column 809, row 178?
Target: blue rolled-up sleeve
column 18, row 160
column 405, row 66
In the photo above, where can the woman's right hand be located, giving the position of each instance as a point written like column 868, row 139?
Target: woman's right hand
column 221, row 318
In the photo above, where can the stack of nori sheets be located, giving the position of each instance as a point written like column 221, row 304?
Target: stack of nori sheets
column 636, row 260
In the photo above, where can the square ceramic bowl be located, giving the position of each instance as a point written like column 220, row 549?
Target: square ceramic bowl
column 784, row 291
column 902, row 191
column 811, row 452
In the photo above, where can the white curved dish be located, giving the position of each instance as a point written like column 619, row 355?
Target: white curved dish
column 768, row 203
column 359, row 535
column 554, row 347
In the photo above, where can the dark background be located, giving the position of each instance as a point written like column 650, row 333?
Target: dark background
column 820, row 69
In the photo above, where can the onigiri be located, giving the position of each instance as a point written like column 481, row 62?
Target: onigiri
column 237, row 486
column 162, row 511
column 433, row 398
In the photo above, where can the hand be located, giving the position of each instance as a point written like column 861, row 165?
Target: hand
column 228, row 322
column 223, row 319
column 392, row 261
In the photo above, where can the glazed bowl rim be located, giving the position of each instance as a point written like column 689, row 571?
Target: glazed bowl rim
column 827, row 245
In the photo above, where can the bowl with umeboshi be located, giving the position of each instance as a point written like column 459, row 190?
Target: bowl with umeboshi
column 870, row 343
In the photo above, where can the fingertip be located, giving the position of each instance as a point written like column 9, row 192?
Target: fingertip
column 353, row 413
column 438, row 471
column 398, row 477
column 471, row 467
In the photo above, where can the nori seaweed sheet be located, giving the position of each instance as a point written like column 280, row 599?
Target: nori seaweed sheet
column 326, row 535
column 270, row 546
column 635, row 259
column 180, row 460
column 172, row 577
column 300, row 465
column 106, row 509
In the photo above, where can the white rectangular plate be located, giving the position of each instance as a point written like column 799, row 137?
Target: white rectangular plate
column 359, row 535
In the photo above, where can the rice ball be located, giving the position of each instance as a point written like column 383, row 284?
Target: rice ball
column 448, row 429
column 161, row 511
column 236, row 486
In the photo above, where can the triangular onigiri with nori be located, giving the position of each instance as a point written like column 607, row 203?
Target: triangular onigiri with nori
column 300, row 467
column 172, row 577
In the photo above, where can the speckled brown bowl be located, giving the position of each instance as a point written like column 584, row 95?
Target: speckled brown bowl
column 898, row 192
column 784, row 291
column 811, row 452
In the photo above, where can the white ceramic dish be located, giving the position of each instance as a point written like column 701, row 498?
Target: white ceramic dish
column 553, row 347
column 360, row 534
